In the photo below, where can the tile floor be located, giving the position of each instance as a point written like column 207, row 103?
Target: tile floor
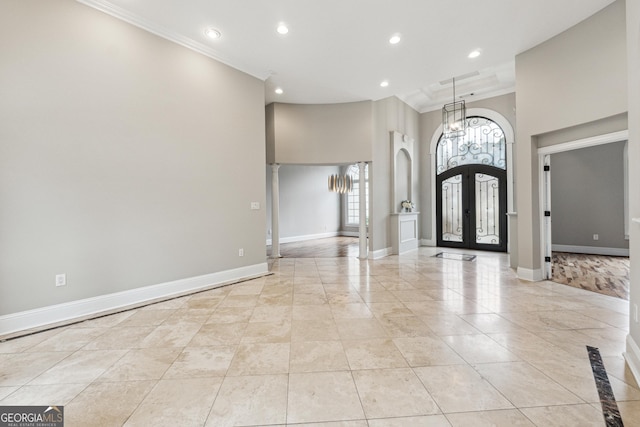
column 402, row 341
column 608, row 275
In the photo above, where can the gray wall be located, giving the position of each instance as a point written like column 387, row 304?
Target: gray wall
column 319, row 134
column 633, row 61
column 307, row 207
column 126, row 160
column 587, row 197
column 575, row 78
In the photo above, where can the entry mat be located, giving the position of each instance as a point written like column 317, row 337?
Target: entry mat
column 457, row 257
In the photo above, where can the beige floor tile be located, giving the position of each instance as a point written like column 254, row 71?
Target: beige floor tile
column 373, row 354
column 260, row 359
column 142, row 364
column 356, row 329
column 343, row 297
column 459, row 388
column 207, row 304
column 479, row 349
column 378, row 294
column 312, row 312
column 358, row 423
column 253, row 287
column 250, row 400
column 20, row 344
column 120, row 338
column 6, row 391
column 525, row 386
column 389, row 309
column 489, row 323
column 427, row 351
column 429, row 420
column 80, row 367
column 351, row 311
column 19, row 369
column 212, row 334
column 503, row 418
column 321, row 397
column 197, row 362
column 445, row 324
column 531, row 347
column 277, row 331
column 309, row 299
column 630, row 412
column 617, row 367
column 239, row 301
column 386, row 393
column 70, row 339
column 314, row 330
column 50, row 395
column 271, row 314
column 565, row 416
column 407, row 326
column 171, row 335
column 146, row 318
column 317, row 356
column 176, row 402
column 106, row 404
column 230, row 315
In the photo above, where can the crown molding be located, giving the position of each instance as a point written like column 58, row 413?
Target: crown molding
column 168, row 34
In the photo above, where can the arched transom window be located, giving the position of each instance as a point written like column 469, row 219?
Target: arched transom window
column 483, row 143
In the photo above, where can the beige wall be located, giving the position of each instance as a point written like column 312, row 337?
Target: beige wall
column 126, row 160
column 575, row 78
column 633, row 51
column 320, row 134
column 390, row 114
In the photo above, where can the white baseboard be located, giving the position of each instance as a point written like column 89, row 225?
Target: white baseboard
column 428, row 242
column 91, row 307
column 350, row 233
column 530, row 275
column 594, row 250
column 381, row 253
column 306, row 237
column 632, row 356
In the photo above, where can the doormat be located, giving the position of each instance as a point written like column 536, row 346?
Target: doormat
column 457, row 257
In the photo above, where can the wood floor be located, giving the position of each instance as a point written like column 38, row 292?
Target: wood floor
column 607, row 275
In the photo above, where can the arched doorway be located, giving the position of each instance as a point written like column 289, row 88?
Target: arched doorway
column 471, row 187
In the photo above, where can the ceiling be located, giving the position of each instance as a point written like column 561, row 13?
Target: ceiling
column 339, row 51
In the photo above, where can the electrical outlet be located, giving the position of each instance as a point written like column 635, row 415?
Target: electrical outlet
column 255, row 206
column 61, row 279
column 241, row 252
column 596, row 237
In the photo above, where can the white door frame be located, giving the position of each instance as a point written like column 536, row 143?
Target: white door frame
column 545, row 184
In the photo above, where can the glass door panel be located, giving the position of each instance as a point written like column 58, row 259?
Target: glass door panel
column 487, row 209
column 452, row 225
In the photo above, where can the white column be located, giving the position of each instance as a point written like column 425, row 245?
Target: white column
column 275, row 212
column 363, row 211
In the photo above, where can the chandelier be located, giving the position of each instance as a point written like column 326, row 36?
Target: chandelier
column 454, row 116
column 341, row 183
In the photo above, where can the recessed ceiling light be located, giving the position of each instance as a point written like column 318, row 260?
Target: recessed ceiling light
column 395, row 39
column 475, row 53
column 384, row 83
column 282, row 29
column 279, row 91
column 212, row 33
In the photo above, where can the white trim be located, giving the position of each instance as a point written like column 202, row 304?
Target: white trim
column 308, row 237
column 632, row 357
column 91, row 307
column 636, row 220
column 168, row 34
column 606, row 138
column 381, row 253
column 509, row 136
column 530, row 275
column 625, row 183
column 594, row 250
column 428, row 242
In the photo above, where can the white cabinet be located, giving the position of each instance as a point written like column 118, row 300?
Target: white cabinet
column 404, row 232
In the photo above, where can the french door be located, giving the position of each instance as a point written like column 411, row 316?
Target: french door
column 471, row 208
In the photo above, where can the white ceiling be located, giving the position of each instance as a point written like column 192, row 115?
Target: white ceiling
column 338, row 50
